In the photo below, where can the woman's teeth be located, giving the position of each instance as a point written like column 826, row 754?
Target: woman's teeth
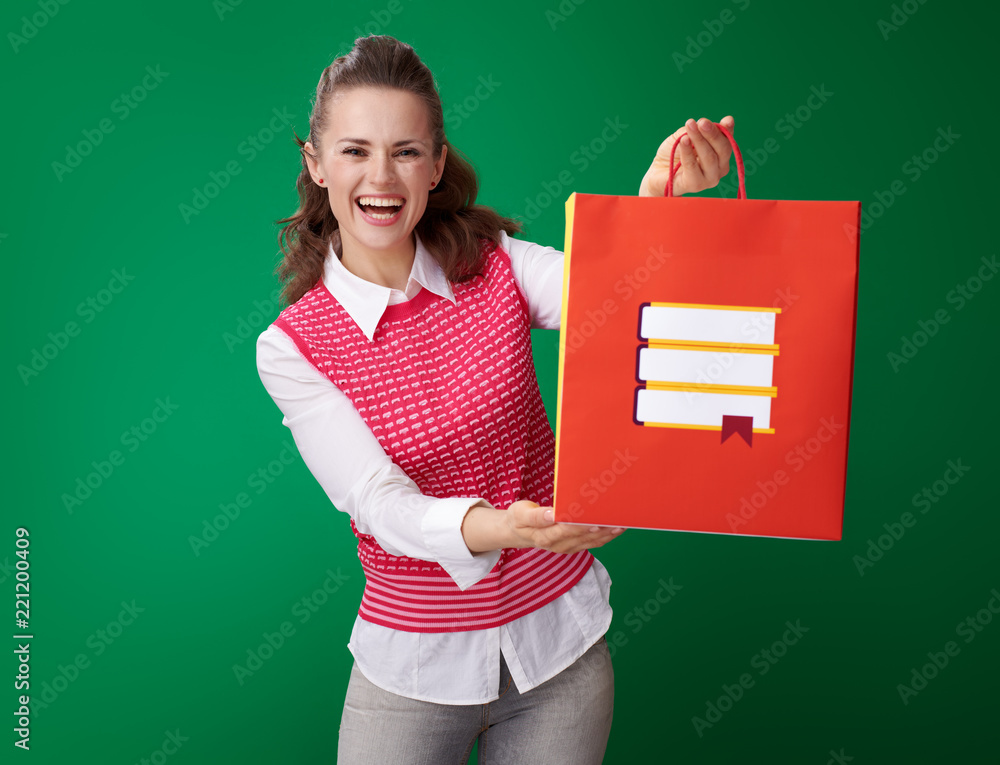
column 381, row 201
column 381, row 208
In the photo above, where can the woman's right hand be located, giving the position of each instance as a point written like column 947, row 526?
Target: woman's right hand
column 531, row 525
column 528, row 524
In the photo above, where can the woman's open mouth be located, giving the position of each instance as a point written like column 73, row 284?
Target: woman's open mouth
column 381, row 211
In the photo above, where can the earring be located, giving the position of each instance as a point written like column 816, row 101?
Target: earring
column 433, row 184
column 321, row 180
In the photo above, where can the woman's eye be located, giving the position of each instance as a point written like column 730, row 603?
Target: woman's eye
column 352, row 151
column 409, row 153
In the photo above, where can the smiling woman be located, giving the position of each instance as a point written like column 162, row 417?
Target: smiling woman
column 403, row 367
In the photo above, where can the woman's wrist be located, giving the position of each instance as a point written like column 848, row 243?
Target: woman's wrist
column 485, row 529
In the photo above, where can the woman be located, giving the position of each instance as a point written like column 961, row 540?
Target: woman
column 403, row 367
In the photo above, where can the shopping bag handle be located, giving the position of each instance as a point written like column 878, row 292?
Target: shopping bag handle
column 742, row 194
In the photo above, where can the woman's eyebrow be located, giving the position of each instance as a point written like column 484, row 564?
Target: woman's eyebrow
column 365, row 142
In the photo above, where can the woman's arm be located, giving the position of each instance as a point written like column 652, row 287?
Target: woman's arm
column 463, row 534
column 538, row 271
column 359, row 478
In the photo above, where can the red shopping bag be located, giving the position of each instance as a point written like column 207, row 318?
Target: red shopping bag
column 705, row 363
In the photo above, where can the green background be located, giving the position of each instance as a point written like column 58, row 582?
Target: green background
column 172, row 333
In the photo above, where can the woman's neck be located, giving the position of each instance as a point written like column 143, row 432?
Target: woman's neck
column 389, row 268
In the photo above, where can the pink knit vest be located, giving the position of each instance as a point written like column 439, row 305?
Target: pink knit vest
column 449, row 390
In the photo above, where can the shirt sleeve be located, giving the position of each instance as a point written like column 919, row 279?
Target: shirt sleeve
column 538, row 270
column 357, row 475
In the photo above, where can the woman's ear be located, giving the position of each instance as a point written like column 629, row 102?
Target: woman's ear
column 439, row 164
column 309, row 151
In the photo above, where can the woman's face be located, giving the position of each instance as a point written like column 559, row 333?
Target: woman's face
column 377, row 162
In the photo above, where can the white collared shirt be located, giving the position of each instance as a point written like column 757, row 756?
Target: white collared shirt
column 361, row 480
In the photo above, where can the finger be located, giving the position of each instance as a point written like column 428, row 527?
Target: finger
column 719, row 143
column 606, row 530
column 714, row 154
column 592, row 540
column 669, row 141
column 694, row 178
column 561, row 537
column 705, row 151
column 580, row 531
column 595, row 536
column 528, row 513
column 565, row 536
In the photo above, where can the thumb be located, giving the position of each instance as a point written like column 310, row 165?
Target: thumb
column 532, row 514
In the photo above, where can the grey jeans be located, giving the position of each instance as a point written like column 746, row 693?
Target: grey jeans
column 565, row 720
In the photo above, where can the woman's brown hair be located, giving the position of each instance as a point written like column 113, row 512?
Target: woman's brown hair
column 452, row 227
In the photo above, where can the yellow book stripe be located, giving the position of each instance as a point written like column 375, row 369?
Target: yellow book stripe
column 697, row 427
column 740, row 390
column 706, row 345
column 717, row 307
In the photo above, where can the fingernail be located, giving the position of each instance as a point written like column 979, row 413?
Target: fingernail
column 548, row 515
column 618, row 531
column 595, row 529
column 708, row 127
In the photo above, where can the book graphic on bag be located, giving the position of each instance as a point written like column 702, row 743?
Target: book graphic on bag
column 697, row 369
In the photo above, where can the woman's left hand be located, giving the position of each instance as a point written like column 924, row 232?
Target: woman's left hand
column 704, row 158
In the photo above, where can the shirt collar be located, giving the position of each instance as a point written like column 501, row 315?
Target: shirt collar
column 365, row 302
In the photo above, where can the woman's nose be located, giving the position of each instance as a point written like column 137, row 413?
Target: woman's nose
column 383, row 170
